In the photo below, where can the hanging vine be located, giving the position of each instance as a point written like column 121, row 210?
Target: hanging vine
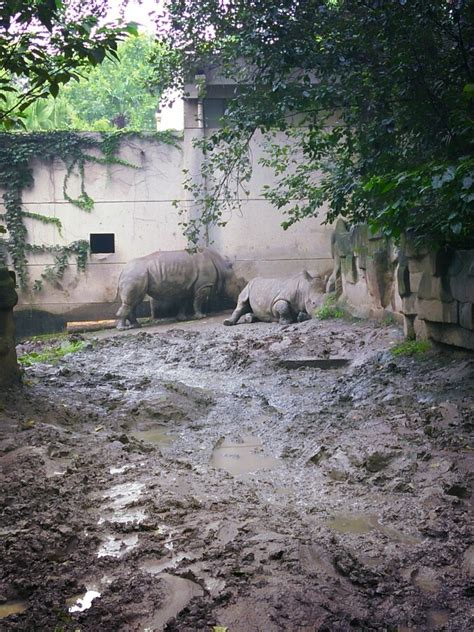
column 75, row 150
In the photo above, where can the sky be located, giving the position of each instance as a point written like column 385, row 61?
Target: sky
column 137, row 12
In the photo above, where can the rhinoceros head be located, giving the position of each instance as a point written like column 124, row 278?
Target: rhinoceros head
column 234, row 286
column 313, row 290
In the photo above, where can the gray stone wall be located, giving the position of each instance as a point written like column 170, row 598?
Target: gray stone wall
column 432, row 293
column 437, row 290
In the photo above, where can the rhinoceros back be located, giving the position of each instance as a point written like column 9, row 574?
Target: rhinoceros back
column 264, row 293
column 171, row 273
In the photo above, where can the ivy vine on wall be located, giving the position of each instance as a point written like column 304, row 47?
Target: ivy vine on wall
column 17, row 154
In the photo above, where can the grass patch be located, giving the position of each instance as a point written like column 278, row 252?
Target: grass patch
column 329, row 309
column 51, row 355
column 411, row 348
column 388, row 321
column 45, row 337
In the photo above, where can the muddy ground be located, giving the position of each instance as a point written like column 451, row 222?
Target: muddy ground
column 182, row 478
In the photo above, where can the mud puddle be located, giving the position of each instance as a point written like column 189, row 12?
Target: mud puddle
column 178, row 593
column 79, row 604
column 361, row 524
column 12, row 607
column 241, row 456
column 213, row 487
column 154, row 435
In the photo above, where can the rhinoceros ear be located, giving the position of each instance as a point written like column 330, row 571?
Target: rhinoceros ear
column 307, row 275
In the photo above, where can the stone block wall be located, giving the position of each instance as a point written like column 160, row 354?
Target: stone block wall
column 438, row 295
column 432, row 293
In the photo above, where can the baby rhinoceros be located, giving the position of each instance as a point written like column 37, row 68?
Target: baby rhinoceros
column 283, row 300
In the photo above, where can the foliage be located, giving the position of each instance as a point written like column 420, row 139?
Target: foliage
column 411, row 348
column 51, row 355
column 329, row 309
column 17, row 153
column 117, row 93
column 384, row 95
column 46, row 43
column 43, row 114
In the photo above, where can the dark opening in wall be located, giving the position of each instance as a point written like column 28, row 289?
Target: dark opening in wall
column 214, row 110
column 102, row 242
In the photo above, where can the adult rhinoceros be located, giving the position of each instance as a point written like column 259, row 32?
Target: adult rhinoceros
column 175, row 277
column 283, row 300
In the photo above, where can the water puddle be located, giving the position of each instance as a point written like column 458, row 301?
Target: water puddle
column 56, row 467
column 12, row 607
column 214, row 586
column 83, row 603
column 241, row 457
column 357, row 525
column 134, row 514
column 158, row 565
column 117, row 547
column 362, row 524
column 118, row 509
column 124, row 493
column 122, row 468
column 178, row 593
column 154, row 435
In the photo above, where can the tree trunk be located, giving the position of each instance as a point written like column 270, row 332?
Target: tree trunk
column 9, row 369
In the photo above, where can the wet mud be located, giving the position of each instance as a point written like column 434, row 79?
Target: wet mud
column 191, row 476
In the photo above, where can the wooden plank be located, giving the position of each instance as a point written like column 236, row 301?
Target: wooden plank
column 317, row 363
column 89, row 325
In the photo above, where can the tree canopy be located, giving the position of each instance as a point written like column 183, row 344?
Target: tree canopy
column 46, row 43
column 117, row 93
column 385, row 94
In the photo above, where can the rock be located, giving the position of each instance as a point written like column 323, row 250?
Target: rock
column 434, row 288
column 318, row 456
column 437, row 311
column 450, row 335
column 403, row 279
column 468, row 562
column 377, row 462
column 466, row 315
column 461, row 276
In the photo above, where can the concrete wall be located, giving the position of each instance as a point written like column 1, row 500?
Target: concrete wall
column 255, row 239
column 136, row 205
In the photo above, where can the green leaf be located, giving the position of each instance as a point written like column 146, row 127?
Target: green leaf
column 469, row 90
column 132, row 28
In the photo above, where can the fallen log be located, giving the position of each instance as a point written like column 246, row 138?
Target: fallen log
column 89, row 325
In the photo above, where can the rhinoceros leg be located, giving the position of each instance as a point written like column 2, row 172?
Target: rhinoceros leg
column 302, row 316
column 249, row 318
column 181, row 315
column 127, row 312
column 243, row 307
column 201, row 296
column 131, row 295
column 282, row 310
